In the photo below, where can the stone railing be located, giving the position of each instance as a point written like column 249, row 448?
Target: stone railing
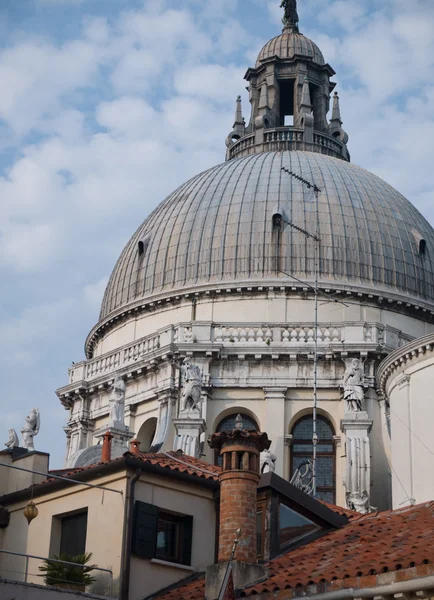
column 328, row 142
column 242, row 145
column 286, row 138
column 113, row 361
column 281, row 338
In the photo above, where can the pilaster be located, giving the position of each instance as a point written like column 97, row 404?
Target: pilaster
column 274, row 424
column 357, row 479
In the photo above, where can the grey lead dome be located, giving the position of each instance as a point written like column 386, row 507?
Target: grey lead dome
column 218, row 228
column 289, row 44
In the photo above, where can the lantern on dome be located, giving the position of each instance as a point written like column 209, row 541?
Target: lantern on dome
column 31, row 512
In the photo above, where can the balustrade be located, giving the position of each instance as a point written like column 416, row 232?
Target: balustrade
column 275, row 335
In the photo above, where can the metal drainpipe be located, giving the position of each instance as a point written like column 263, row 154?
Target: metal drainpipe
column 124, row 584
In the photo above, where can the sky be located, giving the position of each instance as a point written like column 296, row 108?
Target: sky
column 106, row 106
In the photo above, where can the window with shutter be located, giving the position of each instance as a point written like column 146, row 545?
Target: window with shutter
column 145, row 529
column 160, row 534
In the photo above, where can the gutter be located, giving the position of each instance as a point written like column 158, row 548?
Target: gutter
column 124, row 579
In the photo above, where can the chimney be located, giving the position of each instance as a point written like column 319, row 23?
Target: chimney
column 106, row 452
column 240, row 450
column 135, row 447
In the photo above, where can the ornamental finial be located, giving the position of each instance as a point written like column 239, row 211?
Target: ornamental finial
column 290, row 18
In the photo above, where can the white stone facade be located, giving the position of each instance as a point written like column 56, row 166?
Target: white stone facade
column 254, row 361
column 406, row 378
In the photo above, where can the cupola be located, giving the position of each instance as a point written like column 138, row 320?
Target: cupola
column 289, row 91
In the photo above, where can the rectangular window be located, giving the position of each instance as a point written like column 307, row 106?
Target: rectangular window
column 73, row 531
column 160, row 534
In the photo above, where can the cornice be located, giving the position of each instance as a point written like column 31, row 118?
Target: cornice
column 345, row 291
column 403, row 356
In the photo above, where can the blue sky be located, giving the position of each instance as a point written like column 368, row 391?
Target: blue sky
column 108, row 105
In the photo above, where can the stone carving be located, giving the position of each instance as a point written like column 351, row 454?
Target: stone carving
column 191, row 387
column 238, row 422
column 13, row 439
column 354, row 379
column 268, row 462
column 30, row 429
column 359, row 502
column 303, row 477
column 117, row 402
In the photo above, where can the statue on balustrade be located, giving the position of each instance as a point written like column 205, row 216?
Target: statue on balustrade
column 354, row 379
column 13, row 441
column 191, row 387
column 30, row 429
column 117, row 402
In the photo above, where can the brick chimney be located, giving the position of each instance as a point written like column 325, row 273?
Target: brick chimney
column 106, row 452
column 240, row 450
column 135, row 447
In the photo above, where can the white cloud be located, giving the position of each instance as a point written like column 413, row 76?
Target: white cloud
column 102, row 127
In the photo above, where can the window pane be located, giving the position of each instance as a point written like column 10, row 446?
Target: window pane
column 293, row 526
column 229, row 423
column 167, row 540
column 325, row 496
column 302, row 449
column 303, row 430
column 324, row 471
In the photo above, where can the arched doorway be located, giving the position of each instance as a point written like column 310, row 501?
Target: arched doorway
column 302, row 450
column 147, row 433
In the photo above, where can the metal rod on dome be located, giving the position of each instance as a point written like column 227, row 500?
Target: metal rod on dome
column 316, row 238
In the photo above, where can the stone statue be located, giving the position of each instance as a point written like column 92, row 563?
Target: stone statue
column 353, row 386
column 13, row 439
column 268, row 462
column 30, row 429
column 238, row 422
column 290, row 17
column 303, row 477
column 359, row 502
column 117, row 401
column 191, row 386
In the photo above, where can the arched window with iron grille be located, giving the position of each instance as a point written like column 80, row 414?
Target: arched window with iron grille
column 302, row 450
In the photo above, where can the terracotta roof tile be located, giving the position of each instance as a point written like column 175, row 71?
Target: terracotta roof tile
column 367, row 545
column 177, row 461
column 174, row 461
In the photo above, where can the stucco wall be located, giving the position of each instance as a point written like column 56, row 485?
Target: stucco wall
column 411, row 395
column 148, row 576
column 104, row 528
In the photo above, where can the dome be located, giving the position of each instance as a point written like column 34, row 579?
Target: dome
column 218, row 229
column 289, row 44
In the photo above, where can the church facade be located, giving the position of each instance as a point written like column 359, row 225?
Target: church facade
column 284, row 278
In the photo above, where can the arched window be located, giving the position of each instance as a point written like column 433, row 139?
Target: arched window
column 229, row 423
column 302, row 450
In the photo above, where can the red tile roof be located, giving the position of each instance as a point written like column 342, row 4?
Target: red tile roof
column 174, row 461
column 367, row 545
column 177, row 461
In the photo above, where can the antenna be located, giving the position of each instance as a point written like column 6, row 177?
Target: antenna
column 316, row 239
